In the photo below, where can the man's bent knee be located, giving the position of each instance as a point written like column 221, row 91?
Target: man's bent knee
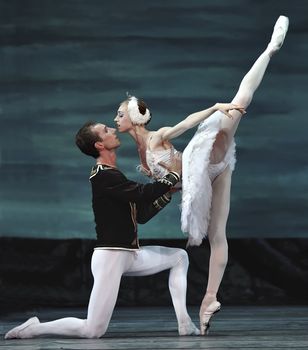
column 94, row 332
column 182, row 256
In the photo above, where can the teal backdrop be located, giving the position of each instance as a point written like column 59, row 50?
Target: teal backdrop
column 65, row 62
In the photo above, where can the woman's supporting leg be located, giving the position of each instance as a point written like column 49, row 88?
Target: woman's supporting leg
column 152, row 259
column 107, row 268
column 217, row 238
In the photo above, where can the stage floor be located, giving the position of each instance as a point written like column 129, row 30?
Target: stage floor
column 241, row 327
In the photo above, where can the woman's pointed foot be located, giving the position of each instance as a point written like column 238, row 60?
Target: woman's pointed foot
column 279, row 34
column 205, row 316
column 20, row 331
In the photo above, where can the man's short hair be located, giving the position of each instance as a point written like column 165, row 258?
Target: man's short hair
column 85, row 139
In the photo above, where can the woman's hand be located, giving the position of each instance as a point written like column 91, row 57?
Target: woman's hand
column 226, row 107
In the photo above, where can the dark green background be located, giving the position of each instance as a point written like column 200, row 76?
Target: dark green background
column 65, row 62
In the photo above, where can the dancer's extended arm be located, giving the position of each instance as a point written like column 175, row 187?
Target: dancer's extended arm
column 168, row 133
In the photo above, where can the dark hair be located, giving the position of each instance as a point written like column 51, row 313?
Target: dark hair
column 86, row 138
column 142, row 106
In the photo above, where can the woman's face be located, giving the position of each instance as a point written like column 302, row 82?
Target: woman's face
column 122, row 119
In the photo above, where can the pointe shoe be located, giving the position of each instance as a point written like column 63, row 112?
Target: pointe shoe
column 279, row 33
column 206, row 316
column 16, row 332
column 188, row 328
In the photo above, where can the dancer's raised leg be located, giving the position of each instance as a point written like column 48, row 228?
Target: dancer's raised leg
column 253, row 78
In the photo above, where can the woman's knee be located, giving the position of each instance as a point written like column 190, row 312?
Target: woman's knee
column 243, row 98
column 218, row 240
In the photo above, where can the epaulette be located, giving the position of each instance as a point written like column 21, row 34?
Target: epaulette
column 97, row 168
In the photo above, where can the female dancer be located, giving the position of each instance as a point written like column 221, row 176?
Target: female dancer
column 208, row 162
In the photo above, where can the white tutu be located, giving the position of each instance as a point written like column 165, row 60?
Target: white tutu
column 196, row 182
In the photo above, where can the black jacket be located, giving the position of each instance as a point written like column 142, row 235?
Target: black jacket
column 119, row 204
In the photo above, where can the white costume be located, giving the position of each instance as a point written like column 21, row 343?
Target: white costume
column 198, row 175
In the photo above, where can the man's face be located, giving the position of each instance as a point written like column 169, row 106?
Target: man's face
column 122, row 119
column 107, row 135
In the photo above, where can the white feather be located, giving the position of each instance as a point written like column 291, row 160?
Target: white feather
column 197, row 186
column 133, row 110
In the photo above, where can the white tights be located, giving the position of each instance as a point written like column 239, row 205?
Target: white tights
column 108, row 266
column 222, row 184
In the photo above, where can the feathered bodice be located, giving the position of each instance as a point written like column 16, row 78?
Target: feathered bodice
column 154, row 157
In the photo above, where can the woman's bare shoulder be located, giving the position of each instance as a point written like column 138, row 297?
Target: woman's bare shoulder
column 160, row 132
column 156, row 137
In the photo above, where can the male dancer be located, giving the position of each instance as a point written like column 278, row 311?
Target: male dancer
column 118, row 205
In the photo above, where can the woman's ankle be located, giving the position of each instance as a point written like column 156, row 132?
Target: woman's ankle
column 209, row 297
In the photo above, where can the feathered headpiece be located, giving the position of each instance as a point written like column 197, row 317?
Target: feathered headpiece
column 134, row 113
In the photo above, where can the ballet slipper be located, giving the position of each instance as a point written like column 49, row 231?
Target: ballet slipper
column 206, row 315
column 279, row 34
column 20, row 332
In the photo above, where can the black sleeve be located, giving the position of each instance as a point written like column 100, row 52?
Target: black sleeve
column 115, row 184
column 145, row 211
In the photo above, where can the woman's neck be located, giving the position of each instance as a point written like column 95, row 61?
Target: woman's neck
column 141, row 136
